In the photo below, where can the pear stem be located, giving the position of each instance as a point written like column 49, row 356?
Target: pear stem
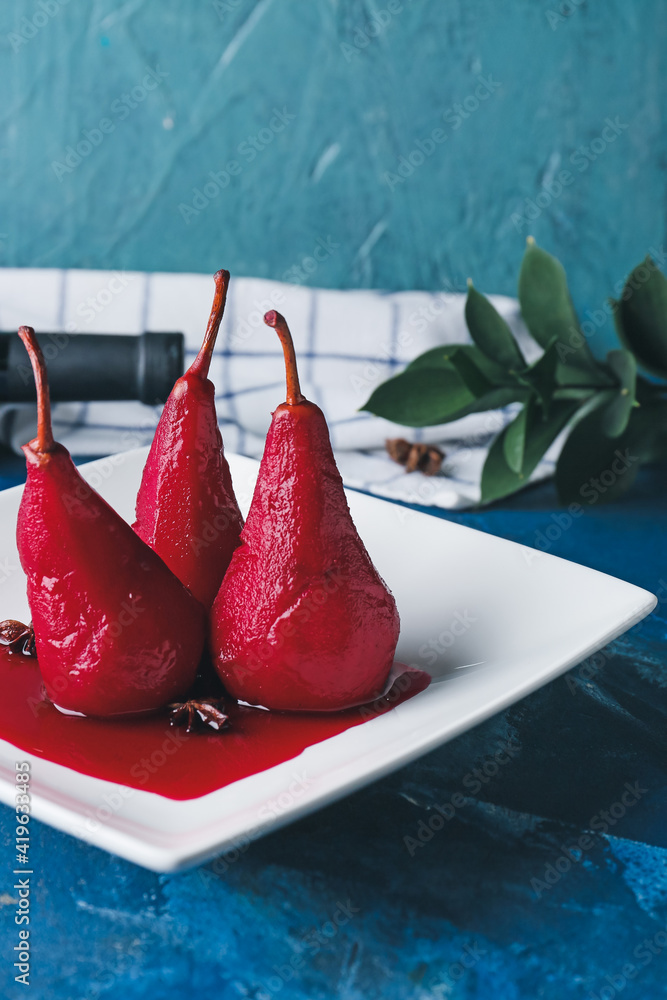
column 44, row 439
column 202, row 362
column 294, row 394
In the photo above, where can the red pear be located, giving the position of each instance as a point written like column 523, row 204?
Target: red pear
column 186, row 508
column 302, row 621
column 115, row 631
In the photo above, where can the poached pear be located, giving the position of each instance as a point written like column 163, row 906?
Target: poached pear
column 186, row 508
column 302, row 620
column 115, row 631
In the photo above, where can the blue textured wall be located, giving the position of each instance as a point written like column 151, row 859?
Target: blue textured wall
column 363, row 92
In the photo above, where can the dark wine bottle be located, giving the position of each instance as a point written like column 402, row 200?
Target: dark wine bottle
column 87, row 367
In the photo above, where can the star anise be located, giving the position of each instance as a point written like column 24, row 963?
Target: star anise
column 199, row 713
column 17, row 637
column 426, row 458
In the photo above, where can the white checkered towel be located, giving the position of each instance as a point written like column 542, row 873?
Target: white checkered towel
column 347, row 343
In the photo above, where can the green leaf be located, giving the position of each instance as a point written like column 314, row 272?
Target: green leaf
column 486, row 381
column 593, row 468
column 443, row 357
column 573, row 392
column 553, row 378
column 570, row 373
column 498, row 478
column 544, row 298
column 471, row 372
column 615, row 416
column 514, row 440
column 491, row 333
column 425, row 397
column 542, row 376
column 641, row 317
column 437, row 357
column 547, row 308
column 497, row 399
column 421, row 397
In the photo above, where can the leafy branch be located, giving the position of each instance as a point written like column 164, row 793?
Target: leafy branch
column 617, row 418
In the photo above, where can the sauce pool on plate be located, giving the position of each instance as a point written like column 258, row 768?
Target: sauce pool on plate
column 149, row 754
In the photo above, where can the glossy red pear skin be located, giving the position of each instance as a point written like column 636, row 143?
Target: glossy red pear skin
column 115, row 631
column 302, row 621
column 186, row 508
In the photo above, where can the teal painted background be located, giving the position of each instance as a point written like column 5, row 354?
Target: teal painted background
column 366, row 82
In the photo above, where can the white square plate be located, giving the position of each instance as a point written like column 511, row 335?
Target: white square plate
column 489, row 619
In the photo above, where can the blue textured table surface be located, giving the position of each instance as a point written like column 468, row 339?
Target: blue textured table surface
column 375, row 896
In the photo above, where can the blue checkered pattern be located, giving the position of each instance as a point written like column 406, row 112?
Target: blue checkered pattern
column 347, row 343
